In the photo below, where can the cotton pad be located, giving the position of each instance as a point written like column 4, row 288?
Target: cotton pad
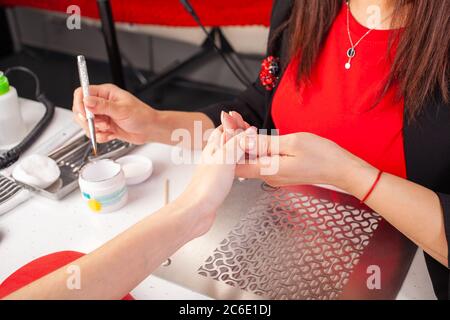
column 37, row 171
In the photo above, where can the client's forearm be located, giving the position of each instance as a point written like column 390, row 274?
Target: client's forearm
column 113, row 270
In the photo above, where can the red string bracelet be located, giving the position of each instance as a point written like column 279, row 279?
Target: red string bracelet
column 373, row 187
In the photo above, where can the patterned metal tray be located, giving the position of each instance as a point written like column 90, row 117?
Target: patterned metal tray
column 69, row 158
column 73, row 156
column 298, row 243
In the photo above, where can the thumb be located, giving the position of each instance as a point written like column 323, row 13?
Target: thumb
column 234, row 152
column 101, row 106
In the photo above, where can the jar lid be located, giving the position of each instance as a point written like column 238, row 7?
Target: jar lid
column 136, row 168
column 4, row 84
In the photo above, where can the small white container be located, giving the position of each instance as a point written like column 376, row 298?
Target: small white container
column 136, row 168
column 12, row 127
column 103, row 186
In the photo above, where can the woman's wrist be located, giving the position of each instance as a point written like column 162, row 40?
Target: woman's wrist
column 152, row 118
column 357, row 177
column 161, row 123
column 194, row 217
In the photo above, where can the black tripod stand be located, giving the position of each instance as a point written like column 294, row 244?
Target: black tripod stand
column 207, row 51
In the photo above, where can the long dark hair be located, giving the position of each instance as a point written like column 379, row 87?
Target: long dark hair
column 421, row 65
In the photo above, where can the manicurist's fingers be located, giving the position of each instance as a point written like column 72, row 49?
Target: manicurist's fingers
column 258, row 168
column 103, row 130
column 78, row 106
column 101, row 106
column 261, row 145
column 267, row 145
column 103, row 123
column 81, row 120
column 104, row 91
column 103, row 137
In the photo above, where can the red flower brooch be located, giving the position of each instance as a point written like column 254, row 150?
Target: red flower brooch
column 269, row 74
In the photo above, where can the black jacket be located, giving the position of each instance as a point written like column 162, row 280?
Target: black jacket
column 426, row 139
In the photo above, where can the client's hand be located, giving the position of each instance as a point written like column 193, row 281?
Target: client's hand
column 232, row 122
column 213, row 178
column 118, row 114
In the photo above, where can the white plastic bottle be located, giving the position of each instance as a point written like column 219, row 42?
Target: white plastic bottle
column 12, row 127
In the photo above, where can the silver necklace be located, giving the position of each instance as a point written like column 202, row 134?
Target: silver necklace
column 351, row 52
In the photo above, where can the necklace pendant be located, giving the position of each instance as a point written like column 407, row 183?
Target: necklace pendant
column 348, row 65
column 351, row 52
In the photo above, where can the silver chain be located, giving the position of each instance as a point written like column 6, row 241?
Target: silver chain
column 351, row 51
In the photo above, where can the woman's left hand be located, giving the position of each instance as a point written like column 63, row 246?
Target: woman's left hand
column 300, row 158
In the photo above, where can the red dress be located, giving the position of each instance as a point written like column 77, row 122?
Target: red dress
column 340, row 104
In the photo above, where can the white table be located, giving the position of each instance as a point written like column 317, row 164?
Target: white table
column 41, row 226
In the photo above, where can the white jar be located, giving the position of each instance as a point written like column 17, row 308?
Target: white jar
column 103, row 186
column 12, row 127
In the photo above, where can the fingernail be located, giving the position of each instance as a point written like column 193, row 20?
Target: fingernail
column 251, row 131
column 222, row 114
column 81, row 117
column 88, row 102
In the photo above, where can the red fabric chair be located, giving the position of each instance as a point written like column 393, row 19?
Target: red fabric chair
column 37, row 269
column 166, row 12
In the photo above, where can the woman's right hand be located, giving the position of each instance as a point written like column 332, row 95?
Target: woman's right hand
column 213, row 178
column 118, row 114
column 232, row 122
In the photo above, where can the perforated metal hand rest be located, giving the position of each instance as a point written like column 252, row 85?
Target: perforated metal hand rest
column 298, row 243
column 293, row 245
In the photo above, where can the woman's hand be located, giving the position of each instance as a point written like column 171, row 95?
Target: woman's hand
column 300, row 158
column 118, row 114
column 232, row 122
column 213, row 178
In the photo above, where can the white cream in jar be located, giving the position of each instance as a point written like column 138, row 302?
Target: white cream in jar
column 103, row 186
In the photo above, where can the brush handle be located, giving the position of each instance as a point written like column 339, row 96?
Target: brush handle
column 84, row 81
